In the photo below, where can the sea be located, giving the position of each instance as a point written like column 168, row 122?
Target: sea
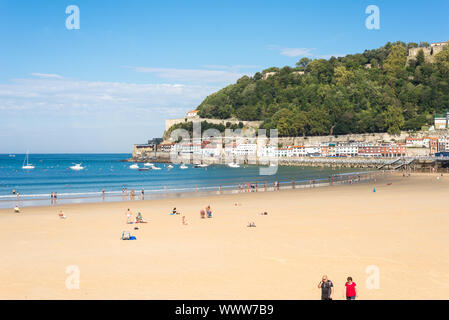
column 52, row 173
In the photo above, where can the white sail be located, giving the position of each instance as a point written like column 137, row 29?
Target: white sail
column 27, row 166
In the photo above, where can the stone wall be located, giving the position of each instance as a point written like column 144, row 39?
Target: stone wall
column 249, row 124
column 429, row 52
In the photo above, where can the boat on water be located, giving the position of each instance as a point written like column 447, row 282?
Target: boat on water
column 155, row 168
column 77, row 167
column 183, row 166
column 233, row 165
column 144, row 169
column 12, row 155
column 200, row 165
column 148, row 164
column 27, row 166
column 169, row 166
column 134, row 166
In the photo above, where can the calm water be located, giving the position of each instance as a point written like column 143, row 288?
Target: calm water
column 52, row 174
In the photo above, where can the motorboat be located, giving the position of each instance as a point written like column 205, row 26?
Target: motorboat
column 200, row 165
column 183, row 166
column 134, row 166
column 233, row 165
column 77, row 167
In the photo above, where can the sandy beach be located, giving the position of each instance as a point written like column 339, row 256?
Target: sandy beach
column 401, row 229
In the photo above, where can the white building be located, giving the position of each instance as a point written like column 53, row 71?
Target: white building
column 296, row 151
column 192, row 114
column 269, row 151
column 211, row 150
column 346, row 150
column 246, row 149
column 312, row 150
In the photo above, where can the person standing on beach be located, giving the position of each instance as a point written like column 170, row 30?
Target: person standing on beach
column 351, row 292
column 326, row 288
column 129, row 216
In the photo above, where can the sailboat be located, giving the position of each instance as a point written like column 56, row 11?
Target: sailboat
column 28, row 166
column 183, row 166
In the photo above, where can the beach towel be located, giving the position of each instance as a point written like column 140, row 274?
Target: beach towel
column 126, row 235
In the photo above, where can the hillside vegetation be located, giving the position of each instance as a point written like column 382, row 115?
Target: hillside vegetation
column 375, row 91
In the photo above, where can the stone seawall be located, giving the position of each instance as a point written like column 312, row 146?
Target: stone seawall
column 248, row 124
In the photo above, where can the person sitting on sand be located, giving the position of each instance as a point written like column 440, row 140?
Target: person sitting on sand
column 264, row 213
column 209, row 212
column 202, row 214
column 139, row 218
column 174, row 211
column 128, row 216
column 184, row 222
column 251, row 225
column 16, row 209
column 62, row 215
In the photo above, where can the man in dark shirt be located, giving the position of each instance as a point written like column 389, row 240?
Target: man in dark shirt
column 326, row 288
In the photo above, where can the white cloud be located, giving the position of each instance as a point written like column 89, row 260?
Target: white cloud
column 198, row 76
column 46, row 75
column 297, row 52
column 69, row 115
column 77, row 97
column 303, row 52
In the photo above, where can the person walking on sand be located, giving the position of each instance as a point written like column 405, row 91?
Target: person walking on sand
column 326, row 288
column 351, row 291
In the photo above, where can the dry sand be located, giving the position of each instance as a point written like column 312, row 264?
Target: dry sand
column 403, row 229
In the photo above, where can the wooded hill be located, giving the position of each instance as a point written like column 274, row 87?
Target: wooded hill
column 373, row 91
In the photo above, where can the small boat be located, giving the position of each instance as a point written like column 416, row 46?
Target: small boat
column 169, row 166
column 233, row 165
column 200, row 165
column 27, row 166
column 77, row 167
column 144, row 169
column 12, row 155
column 148, row 164
column 134, row 166
column 155, row 168
column 183, row 166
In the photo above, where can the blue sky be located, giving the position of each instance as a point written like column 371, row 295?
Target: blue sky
column 133, row 64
